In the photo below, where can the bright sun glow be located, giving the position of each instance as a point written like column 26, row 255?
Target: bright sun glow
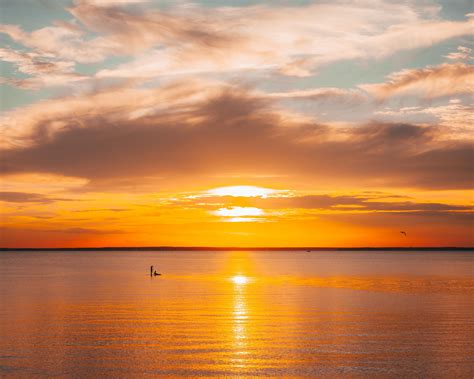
column 239, row 279
column 238, row 212
column 242, row 191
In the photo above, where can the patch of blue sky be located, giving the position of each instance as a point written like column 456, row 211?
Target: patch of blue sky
column 107, row 63
column 450, row 9
column 12, row 97
column 33, row 14
column 456, row 9
column 7, row 69
column 7, row 42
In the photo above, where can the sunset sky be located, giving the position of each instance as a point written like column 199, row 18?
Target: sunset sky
column 236, row 123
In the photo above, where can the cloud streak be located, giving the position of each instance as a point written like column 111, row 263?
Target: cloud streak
column 462, row 53
column 430, row 82
column 24, row 197
column 339, row 203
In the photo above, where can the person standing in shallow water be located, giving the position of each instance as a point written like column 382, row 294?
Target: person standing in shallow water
column 151, row 270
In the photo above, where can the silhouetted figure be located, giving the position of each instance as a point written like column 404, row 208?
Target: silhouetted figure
column 156, row 274
column 402, row 232
column 151, row 271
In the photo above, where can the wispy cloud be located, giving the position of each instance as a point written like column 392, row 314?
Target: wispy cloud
column 462, row 53
column 293, row 41
column 43, row 71
column 24, row 197
column 429, row 82
column 321, row 94
column 456, row 118
column 87, row 231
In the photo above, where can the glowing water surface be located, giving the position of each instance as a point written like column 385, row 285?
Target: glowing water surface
column 292, row 313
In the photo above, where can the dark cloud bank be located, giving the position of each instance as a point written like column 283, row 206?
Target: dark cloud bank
column 234, row 132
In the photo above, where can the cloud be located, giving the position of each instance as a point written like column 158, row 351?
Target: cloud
column 340, row 203
column 101, row 210
column 357, row 203
column 85, row 231
column 462, row 53
column 320, row 94
column 187, row 38
column 293, row 41
column 24, row 197
column 44, row 71
column 430, row 82
column 41, row 120
column 182, row 130
column 62, row 42
column 456, row 118
column 32, row 64
column 40, row 184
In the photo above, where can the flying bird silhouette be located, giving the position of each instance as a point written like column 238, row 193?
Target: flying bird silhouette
column 402, row 232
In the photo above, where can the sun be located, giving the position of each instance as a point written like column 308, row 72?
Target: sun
column 242, row 191
column 239, row 212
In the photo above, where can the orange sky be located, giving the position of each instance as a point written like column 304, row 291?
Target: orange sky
column 139, row 123
column 234, row 216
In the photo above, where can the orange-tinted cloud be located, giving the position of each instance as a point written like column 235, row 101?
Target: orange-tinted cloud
column 24, row 197
column 229, row 131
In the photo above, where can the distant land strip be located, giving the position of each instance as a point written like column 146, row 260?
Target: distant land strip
column 209, row 248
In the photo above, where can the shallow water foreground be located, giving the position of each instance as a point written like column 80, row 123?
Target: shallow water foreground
column 237, row 313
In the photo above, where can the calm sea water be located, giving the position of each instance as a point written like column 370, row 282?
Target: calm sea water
column 289, row 314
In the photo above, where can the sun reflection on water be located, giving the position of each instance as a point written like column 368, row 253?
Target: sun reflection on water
column 240, row 279
column 240, row 320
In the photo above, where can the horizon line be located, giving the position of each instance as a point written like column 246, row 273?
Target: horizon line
column 241, row 248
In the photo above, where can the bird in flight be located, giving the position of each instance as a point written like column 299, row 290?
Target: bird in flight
column 402, row 232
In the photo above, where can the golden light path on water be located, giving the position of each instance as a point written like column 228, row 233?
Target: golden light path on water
column 240, row 321
column 239, row 265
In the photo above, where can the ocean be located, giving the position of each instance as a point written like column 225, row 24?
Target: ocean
column 237, row 314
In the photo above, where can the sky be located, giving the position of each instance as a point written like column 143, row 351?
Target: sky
column 236, row 123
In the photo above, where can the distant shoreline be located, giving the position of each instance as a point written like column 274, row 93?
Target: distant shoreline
column 204, row 248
